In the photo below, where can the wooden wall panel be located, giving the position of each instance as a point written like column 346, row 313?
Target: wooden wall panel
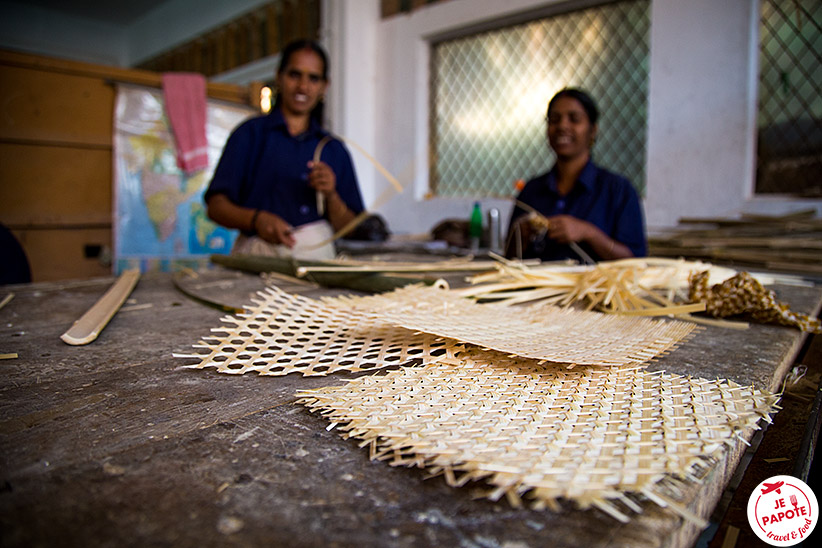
column 53, row 107
column 51, row 185
column 56, row 124
column 61, row 254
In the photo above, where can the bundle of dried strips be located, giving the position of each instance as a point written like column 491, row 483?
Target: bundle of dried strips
column 637, row 287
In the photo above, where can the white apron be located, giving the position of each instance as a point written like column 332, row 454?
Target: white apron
column 307, row 237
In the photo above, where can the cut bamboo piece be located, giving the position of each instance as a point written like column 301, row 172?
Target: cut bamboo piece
column 6, row 300
column 88, row 327
column 368, row 282
column 467, row 266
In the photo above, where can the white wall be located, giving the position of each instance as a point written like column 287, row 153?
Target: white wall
column 701, row 147
column 349, row 34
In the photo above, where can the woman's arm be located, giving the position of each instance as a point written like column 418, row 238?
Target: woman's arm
column 322, row 179
column 268, row 226
column 566, row 229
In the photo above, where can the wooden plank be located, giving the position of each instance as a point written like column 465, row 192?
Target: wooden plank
column 272, row 30
column 216, row 90
column 81, row 112
column 288, row 22
column 59, row 254
column 58, row 185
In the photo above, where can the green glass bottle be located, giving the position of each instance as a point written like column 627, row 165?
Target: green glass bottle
column 475, row 227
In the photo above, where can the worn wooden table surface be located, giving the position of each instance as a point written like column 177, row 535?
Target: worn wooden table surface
column 116, row 444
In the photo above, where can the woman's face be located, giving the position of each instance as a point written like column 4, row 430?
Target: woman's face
column 301, row 83
column 570, row 132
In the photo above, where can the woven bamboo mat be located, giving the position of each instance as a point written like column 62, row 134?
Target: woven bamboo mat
column 545, row 433
column 541, row 331
column 284, row 333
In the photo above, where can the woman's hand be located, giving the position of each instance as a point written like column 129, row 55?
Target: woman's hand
column 321, row 178
column 566, row 229
column 273, row 229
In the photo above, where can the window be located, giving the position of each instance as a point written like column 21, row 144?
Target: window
column 789, row 147
column 490, row 91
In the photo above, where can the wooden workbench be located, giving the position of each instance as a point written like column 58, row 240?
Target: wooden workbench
column 116, row 444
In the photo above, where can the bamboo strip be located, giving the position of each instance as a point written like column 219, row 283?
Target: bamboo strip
column 371, row 282
column 177, row 281
column 89, row 325
column 302, row 271
column 381, row 199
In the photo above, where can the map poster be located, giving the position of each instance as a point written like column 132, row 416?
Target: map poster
column 160, row 221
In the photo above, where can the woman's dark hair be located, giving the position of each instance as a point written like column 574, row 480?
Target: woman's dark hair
column 585, row 100
column 285, row 58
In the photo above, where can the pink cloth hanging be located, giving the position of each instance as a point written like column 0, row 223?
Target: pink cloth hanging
column 185, row 99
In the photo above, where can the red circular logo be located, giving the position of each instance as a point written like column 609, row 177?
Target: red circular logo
column 783, row 510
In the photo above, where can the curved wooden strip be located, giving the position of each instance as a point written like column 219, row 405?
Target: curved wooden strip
column 90, row 324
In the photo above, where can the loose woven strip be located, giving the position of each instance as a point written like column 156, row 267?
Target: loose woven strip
column 284, row 333
column 546, row 433
column 541, row 332
column 743, row 294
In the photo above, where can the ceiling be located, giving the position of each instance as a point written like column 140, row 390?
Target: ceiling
column 104, row 11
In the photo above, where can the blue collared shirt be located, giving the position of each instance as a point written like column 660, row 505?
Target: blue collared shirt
column 263, row 166
column 600, row 197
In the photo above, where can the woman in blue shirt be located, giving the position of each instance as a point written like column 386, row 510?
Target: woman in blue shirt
column 267, row 184
column 580, row 205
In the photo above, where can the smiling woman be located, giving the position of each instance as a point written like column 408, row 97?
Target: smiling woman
column 577, row 210
column 268, row 183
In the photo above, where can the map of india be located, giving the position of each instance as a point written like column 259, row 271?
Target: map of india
column 160, row 221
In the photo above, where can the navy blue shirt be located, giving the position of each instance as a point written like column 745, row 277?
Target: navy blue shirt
column 263, row 166
column 599, row 196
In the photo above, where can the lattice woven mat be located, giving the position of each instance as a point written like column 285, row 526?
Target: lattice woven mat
column 284, row 333
column 541, row 331
column 544, row 433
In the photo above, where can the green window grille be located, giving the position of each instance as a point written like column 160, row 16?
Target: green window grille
column 490, row 91
column 789, row 145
